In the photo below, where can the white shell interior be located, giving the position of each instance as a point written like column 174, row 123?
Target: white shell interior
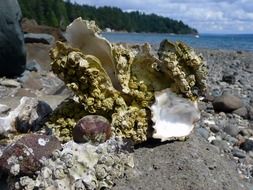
column 173, row 116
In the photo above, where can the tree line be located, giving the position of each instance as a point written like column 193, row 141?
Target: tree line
column 59, row 13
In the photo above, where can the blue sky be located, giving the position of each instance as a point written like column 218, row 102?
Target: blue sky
column 207, row 16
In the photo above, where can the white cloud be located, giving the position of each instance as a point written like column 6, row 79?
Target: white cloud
column 208, row 16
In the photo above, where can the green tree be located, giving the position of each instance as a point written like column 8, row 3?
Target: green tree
column 59, row 13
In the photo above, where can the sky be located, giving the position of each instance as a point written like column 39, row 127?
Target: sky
column 207, row 16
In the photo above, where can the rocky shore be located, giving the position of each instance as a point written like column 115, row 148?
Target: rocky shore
column 219, row 153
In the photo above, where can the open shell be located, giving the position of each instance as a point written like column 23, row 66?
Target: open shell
column 173, row 116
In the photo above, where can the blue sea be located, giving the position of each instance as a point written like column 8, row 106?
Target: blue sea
column 243, row 42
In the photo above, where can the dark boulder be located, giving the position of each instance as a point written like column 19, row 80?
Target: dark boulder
column 227, row 103
column 229, row 78
column 12, row 54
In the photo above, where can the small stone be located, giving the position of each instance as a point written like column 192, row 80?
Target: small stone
column 250, row 112
column 10, row 83
column 223, row 145
column 243, row 112
column 214, row 128
column 250, row 154
column 232, row 130
column 93, row 128
column 32, row 115
column 203, row 132
column 4, row 109
column 229, row 78
column 211, row 139
column 245, row 132
column 33, row 66
column 238, row 153
column 231, row 140
column 247, row 145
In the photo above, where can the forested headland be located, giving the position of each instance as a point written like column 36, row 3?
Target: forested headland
column 59, row 13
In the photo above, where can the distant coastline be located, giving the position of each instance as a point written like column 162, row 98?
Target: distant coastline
column 237, row 42
column 60, row 13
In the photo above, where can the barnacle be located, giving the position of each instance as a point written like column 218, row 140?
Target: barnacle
column 89, row 168
column 120, row 82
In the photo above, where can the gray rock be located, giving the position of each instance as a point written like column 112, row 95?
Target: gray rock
column 227, row 103
column 231, row 140
column 29, row 115
column 232, row 130
column 243, row 112
column 238, row 153
column 4, row 109
column 203, row 132
column 222, row 145
column 229, row 78
column 13, row 55
column 214, row 128
column 247, row 145
column 250, row 112
column 33, row 115
column 245, row 132
column 39, row 38
column 10, row 83
column 24, row 76
column 33, row 66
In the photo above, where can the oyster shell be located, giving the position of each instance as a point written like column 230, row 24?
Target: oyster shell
column 173, row 116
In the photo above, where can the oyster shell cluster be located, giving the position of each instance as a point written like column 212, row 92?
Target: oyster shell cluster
column 120, row 83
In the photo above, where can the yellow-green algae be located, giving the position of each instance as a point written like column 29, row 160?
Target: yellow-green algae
column 139, row 72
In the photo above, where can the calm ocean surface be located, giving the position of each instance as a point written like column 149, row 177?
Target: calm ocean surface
column 211, row 41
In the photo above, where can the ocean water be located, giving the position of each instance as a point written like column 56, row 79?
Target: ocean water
column 242, row 42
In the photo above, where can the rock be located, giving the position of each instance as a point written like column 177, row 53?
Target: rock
column 214, row 128
column 39, row 38
column 32, row 81
column 10, row 83
column 245, row 132
column 4, row 109
column 13, row 55
column 32, row 116
column 93, row 128
column 238, row 153
column 250, row 112
column 21, row 92
column 208, row 97
column 23, row 156
column 222, row 145
column 229, row 78
column 247, row 145
column 232, row 130
column 31, row 26
column 33, row 66
column 243, row 112
column 216, row 92
column 203, row 132
column 29, row 115
column 227, row 103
